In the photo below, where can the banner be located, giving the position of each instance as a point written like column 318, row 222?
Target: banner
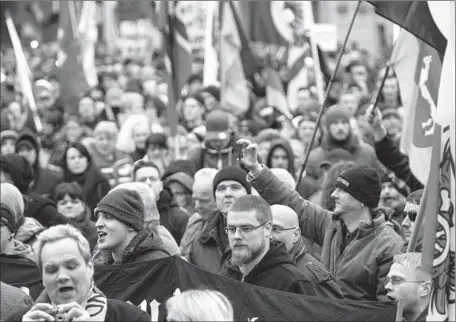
column 149, row 284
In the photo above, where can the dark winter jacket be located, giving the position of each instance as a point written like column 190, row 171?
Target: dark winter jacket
column 210, row 249
column 288, row 150
column 172, row 216
column 363, row 154
column 46, row 179
column 12, row 300
column 138, row 154
column 389, row 154
column 206, row 157
column 360, row 269
column 324, row 283
column 116, row 311
column 277, row 271
column 146, row 246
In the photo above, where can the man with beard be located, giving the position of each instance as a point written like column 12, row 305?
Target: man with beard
column 357, row 244
column 260, row 261
column 410, row 282
column 210, row 249
column 339, row 135
column 393, row 196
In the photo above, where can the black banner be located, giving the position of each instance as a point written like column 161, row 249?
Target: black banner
column 148, row 284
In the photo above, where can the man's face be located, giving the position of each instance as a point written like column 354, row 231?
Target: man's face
column 408, row 224
column 156, row 152
column 204, row 200
column 151, row 177
column 339, row 130
column 283, row 231
column 390, row 89
column 279, row 158
column 210, row 101
column 8, row 146
column 66, row 275
column 180, row 193
column 393, row 125
column 391, row 198
column 112, row 234
column 305, row 130
column 192, row 110
column 359, row 73
column 70, row 207
column 105, row 143
column 195, row 86
column 344, row 202
column 349, row 102
column 246, row 246
column 402, row 284
column 44, row 101
column 76, row 162
column 73, row 131
column 29, row 154
column 226, row 193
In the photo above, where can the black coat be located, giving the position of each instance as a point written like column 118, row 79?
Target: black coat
column 43, row 209
column 172, row 216
column 276, row 270
column 116, row 311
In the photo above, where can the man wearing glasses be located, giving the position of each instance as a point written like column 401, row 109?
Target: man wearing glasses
column 410, row 212
column 285, row 228
column 410, row 283
column 260, row 261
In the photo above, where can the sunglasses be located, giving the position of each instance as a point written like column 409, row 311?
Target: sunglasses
column 410, row 214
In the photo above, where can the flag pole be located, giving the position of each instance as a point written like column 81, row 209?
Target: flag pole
column 418, row 222
column 328, row 89
column 379, row 92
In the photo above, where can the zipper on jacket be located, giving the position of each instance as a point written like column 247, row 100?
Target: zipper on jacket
column 343, row 253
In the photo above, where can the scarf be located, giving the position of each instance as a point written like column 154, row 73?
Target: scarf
column 95, row 303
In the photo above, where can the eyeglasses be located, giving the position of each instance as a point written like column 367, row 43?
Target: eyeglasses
column 410, row 214
column 278, row 229
column 245, row 230
column 395, row 281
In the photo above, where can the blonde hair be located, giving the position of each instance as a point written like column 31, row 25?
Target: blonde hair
column 125, row 140
column 56, row 233
column 200, row 305
column 413, row 260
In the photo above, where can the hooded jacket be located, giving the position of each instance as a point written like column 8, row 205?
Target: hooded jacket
column 145, row 246
column 324, row 283
column 45, row 178
column 288, row 150
column 207, row 157
column 277, row 271
column 172, row 216
column 363, row 153
column 360, row 268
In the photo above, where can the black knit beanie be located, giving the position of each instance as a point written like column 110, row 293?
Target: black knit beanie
column 363, row 183
column 125, row 205
column 336, row 113
column 232, row 173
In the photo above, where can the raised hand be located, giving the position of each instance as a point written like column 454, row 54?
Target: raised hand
column 373, row 117
column 249, row 156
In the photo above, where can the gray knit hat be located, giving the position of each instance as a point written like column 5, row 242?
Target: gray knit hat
column 125, row 205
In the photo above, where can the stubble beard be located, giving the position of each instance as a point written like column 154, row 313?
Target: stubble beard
column 247, row 255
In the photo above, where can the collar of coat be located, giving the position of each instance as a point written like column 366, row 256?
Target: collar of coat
column 365, row 228
column 211, row 229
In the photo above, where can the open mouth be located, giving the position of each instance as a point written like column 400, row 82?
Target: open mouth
column 101, row 234
column 66, row 289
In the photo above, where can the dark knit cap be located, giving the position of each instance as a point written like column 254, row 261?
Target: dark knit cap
column 158, row 139
column 217, row 121
column 336, row 155
column 19, row 169
column 363, row 183
column 213, row 90
column 125, row 205
column 197, row 97
column 232, row 173
column 397, row 183
column 176, row 166
column 336, row 113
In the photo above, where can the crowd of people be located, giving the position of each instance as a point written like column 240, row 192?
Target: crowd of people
column 106, row 183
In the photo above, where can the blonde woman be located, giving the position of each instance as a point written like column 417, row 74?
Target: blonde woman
column 199, row 305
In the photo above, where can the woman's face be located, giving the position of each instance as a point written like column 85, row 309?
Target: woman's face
column 70, row 207
column 105, row 143
column 77, row 163
column 305, row 131
column 180, row 193
column 73, row 131
column 140, row 134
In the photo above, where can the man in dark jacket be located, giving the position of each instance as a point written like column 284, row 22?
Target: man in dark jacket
column 219, row 148
column 46, row 179
column 16, row 170
column 173, row 217
column 285, row 228
column 357, row 244
column 411, row 209
column 210, row 249
column 388, row 152
column 120, row 228
column 281, row 156
column 260, row 261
